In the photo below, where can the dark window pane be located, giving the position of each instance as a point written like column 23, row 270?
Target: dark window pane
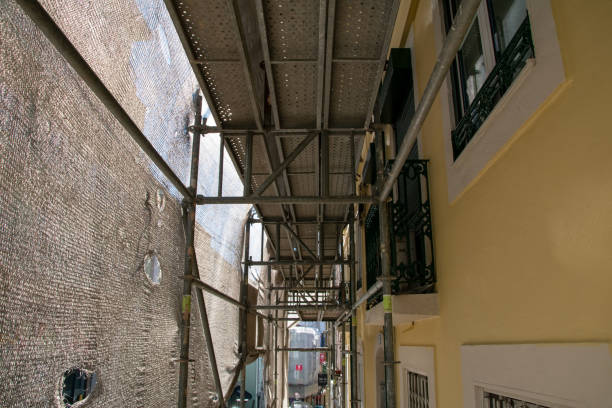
column 472, row 59
column 507, row 16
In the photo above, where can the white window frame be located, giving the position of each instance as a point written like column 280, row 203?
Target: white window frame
column 557, row 375
column 539, row 81
column 420, row 360
column 480, row 389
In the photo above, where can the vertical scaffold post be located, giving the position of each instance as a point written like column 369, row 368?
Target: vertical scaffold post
column 221, row 162
column 269, row 339
column 243, row 313
column 332, row 393
column 354, row 397
column 276, row 356
column 343, row 367
column 190, row 209
column 343, row 345
column 244, row 287
column 385, row 258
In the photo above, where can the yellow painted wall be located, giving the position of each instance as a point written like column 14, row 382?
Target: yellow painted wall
column 525, row 254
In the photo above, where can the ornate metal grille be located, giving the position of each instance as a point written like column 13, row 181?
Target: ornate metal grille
column 411, row 235
column 418, row 391
column 491, row 400
column 412, row 242
column 512, row 60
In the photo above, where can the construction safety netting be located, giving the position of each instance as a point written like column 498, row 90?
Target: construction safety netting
column 91, row 237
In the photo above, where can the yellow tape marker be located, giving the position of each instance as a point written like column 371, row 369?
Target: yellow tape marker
column 186, row 303
column 387, row 304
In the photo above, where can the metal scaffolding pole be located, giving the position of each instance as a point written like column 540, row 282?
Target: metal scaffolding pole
column 244, row 301
column 292, row 132
column 190, row 210
column 292, row 156
column 306, row 288
column 385, row 260
column 354, row 402
column 345, row 199
column 237, row 371
column 269, row 339
column 343, row 368
column 276, row 357
column 207, row 336
column 375, row 288
column 54, row 34
column 301, row 307
column 302, row 221
column 298, row 262
column 332, row 366
column 304, row 349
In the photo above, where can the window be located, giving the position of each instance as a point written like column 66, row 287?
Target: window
column 418, row 390
column 418, row 376
column 495, row 50
column 515, row 88
column 568, row 375
column 496, row 400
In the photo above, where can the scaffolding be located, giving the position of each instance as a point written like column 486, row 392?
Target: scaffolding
column 313, row 219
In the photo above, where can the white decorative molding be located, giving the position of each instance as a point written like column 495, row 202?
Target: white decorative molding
column 535, row 84
column 568, row 375
column 406, row 309
column 418, row 360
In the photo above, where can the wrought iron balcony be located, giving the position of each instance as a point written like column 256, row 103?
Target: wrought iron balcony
column 411, row 235
column 512, row 61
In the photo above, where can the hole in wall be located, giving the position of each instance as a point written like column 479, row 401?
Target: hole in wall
column 76, row 386
column 152, row 268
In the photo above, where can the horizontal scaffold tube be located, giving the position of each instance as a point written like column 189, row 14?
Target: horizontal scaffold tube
column 301, row 308
column 339, row 131
column 304, row 221
column 306, row 288
column 299, row 262
column 218, row 293
column 321, row 349
column 286, row 200
column 375, row 288
column 298, row 319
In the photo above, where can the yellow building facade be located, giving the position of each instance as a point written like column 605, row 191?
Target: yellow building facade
column 522, row 222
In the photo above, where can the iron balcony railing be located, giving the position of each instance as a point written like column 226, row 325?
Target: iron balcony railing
column 512, row 61
column 412, row 262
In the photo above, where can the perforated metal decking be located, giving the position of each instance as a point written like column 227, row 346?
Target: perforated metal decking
column 283, row 69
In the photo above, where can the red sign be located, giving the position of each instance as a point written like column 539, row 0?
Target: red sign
column 321, row 358
column 299, row 367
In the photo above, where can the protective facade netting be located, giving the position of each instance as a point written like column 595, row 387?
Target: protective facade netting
column 81, row 207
